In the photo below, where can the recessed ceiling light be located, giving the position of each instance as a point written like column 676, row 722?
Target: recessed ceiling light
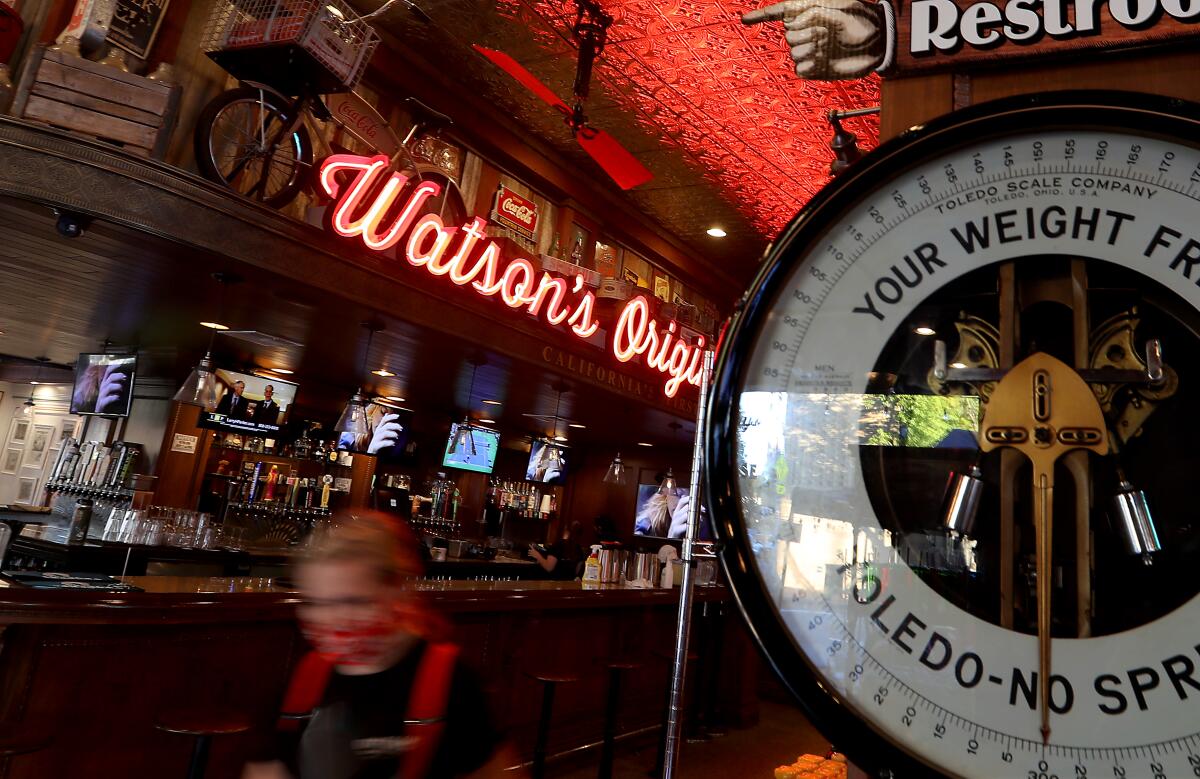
column 716, row 232
column 396, row 398
column 923, row 330
column 214, row 325
column 492, row 403
column 643, row 443
column 577, row 426
column 486, row 421
column 384, row 372
column 958, row 365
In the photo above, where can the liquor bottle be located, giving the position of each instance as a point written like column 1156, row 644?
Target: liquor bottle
column 556, row 248
column 577, row 251
column 272, row 480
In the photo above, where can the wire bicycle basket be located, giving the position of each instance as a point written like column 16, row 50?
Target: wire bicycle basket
column 292, row 45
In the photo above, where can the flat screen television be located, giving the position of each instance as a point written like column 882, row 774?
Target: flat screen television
column 104, row 384
column 388, row 433
column 547, row 463
column 482, row 459
column 665, row 516
column 250, row 404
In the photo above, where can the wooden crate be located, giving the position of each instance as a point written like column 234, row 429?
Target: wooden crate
column 97, row 100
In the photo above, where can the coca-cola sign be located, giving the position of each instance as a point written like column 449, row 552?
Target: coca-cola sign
column 515, row 211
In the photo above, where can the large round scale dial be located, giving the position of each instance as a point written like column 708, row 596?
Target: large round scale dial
column 950, row 448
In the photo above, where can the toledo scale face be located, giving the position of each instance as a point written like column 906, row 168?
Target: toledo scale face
column 1061, row 228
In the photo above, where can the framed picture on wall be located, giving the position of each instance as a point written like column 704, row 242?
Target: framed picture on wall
column 39, row 444
column 18, row 433
column 25, row 489
column 66, row 429
column 11, row 461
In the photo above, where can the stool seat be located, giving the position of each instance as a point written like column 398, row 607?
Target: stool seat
column 622, row 664
column 18, row 740
column 553, row 677
column 203, row 723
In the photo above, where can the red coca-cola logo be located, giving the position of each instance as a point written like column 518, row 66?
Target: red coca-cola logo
column 356, row 119
column 516, row 211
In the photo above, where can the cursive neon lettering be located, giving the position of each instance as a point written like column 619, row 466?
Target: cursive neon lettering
column 350, row 180
column 430, row 225
column 517, row 282
column 556, row 289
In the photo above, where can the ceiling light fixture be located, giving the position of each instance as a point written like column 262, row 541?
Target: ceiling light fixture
column 282, row 371
column 577, row 426
column 492, row 403
column 716, row 232
column 486, row 421
column 462, row 435
column 396, row 398
column 200, row 387
column 643, row 443
column 27, row 409
column 958, row 365
column 214, row 325
column 924, row 330
column 354, row 416
column 384, row 372
column 616, row 471
column 560, row 438
column 668, row 485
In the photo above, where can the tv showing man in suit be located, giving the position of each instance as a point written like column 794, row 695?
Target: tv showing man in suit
column 234, row 403
column 250, row 404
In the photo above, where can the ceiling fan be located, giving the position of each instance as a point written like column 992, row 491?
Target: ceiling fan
column 590, row 32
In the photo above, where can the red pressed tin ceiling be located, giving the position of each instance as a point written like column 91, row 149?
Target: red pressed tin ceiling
column 713, row 108
column 727, row 93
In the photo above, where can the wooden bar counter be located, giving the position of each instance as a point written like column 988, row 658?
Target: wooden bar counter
column 91, row 673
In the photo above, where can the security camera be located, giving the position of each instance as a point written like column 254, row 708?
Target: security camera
column 70, row 224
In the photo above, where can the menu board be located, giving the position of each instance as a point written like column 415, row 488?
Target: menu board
column 135, row 25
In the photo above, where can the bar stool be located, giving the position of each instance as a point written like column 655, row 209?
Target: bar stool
column 17, row 740
column 550, row 681
column 611, row 708
column 202, row 726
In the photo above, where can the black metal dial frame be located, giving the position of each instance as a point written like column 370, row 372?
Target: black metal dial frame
column 1151, row 115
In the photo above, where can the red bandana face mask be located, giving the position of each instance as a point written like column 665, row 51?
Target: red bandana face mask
column 360, row 643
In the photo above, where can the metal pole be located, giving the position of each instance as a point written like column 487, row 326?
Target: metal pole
column 683, row 625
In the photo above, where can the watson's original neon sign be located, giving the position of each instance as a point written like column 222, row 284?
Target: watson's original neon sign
column 366, row 192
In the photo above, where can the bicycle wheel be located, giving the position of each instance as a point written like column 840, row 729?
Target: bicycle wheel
column 238, row 144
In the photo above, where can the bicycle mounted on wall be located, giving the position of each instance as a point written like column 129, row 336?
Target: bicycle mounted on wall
column 296, row 62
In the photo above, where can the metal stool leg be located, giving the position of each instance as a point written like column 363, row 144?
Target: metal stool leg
column 610, row 723
column 543, row 731
column 199, row 761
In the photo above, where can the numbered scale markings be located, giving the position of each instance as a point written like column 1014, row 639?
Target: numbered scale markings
column 886, row 628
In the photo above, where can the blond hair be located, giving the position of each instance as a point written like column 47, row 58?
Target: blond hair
column 373, row 538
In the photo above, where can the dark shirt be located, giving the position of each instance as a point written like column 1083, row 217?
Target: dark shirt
column 267, row 412
column 358, row 731
column 568, row 554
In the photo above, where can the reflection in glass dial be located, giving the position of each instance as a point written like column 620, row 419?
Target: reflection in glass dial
column 844, row 440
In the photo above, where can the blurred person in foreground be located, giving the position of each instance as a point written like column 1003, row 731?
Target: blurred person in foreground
column 383, row 693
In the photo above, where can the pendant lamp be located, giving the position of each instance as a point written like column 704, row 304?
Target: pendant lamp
column 668, row 485
column 200, row 387
column 354, row 416
column 616, row 471
column 26, row 410
column 463, row 437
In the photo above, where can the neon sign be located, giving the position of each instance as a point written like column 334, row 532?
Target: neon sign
column 365, row 193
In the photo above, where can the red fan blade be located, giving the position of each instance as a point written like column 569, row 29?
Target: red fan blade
column 527, row 79
column 616, row 161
